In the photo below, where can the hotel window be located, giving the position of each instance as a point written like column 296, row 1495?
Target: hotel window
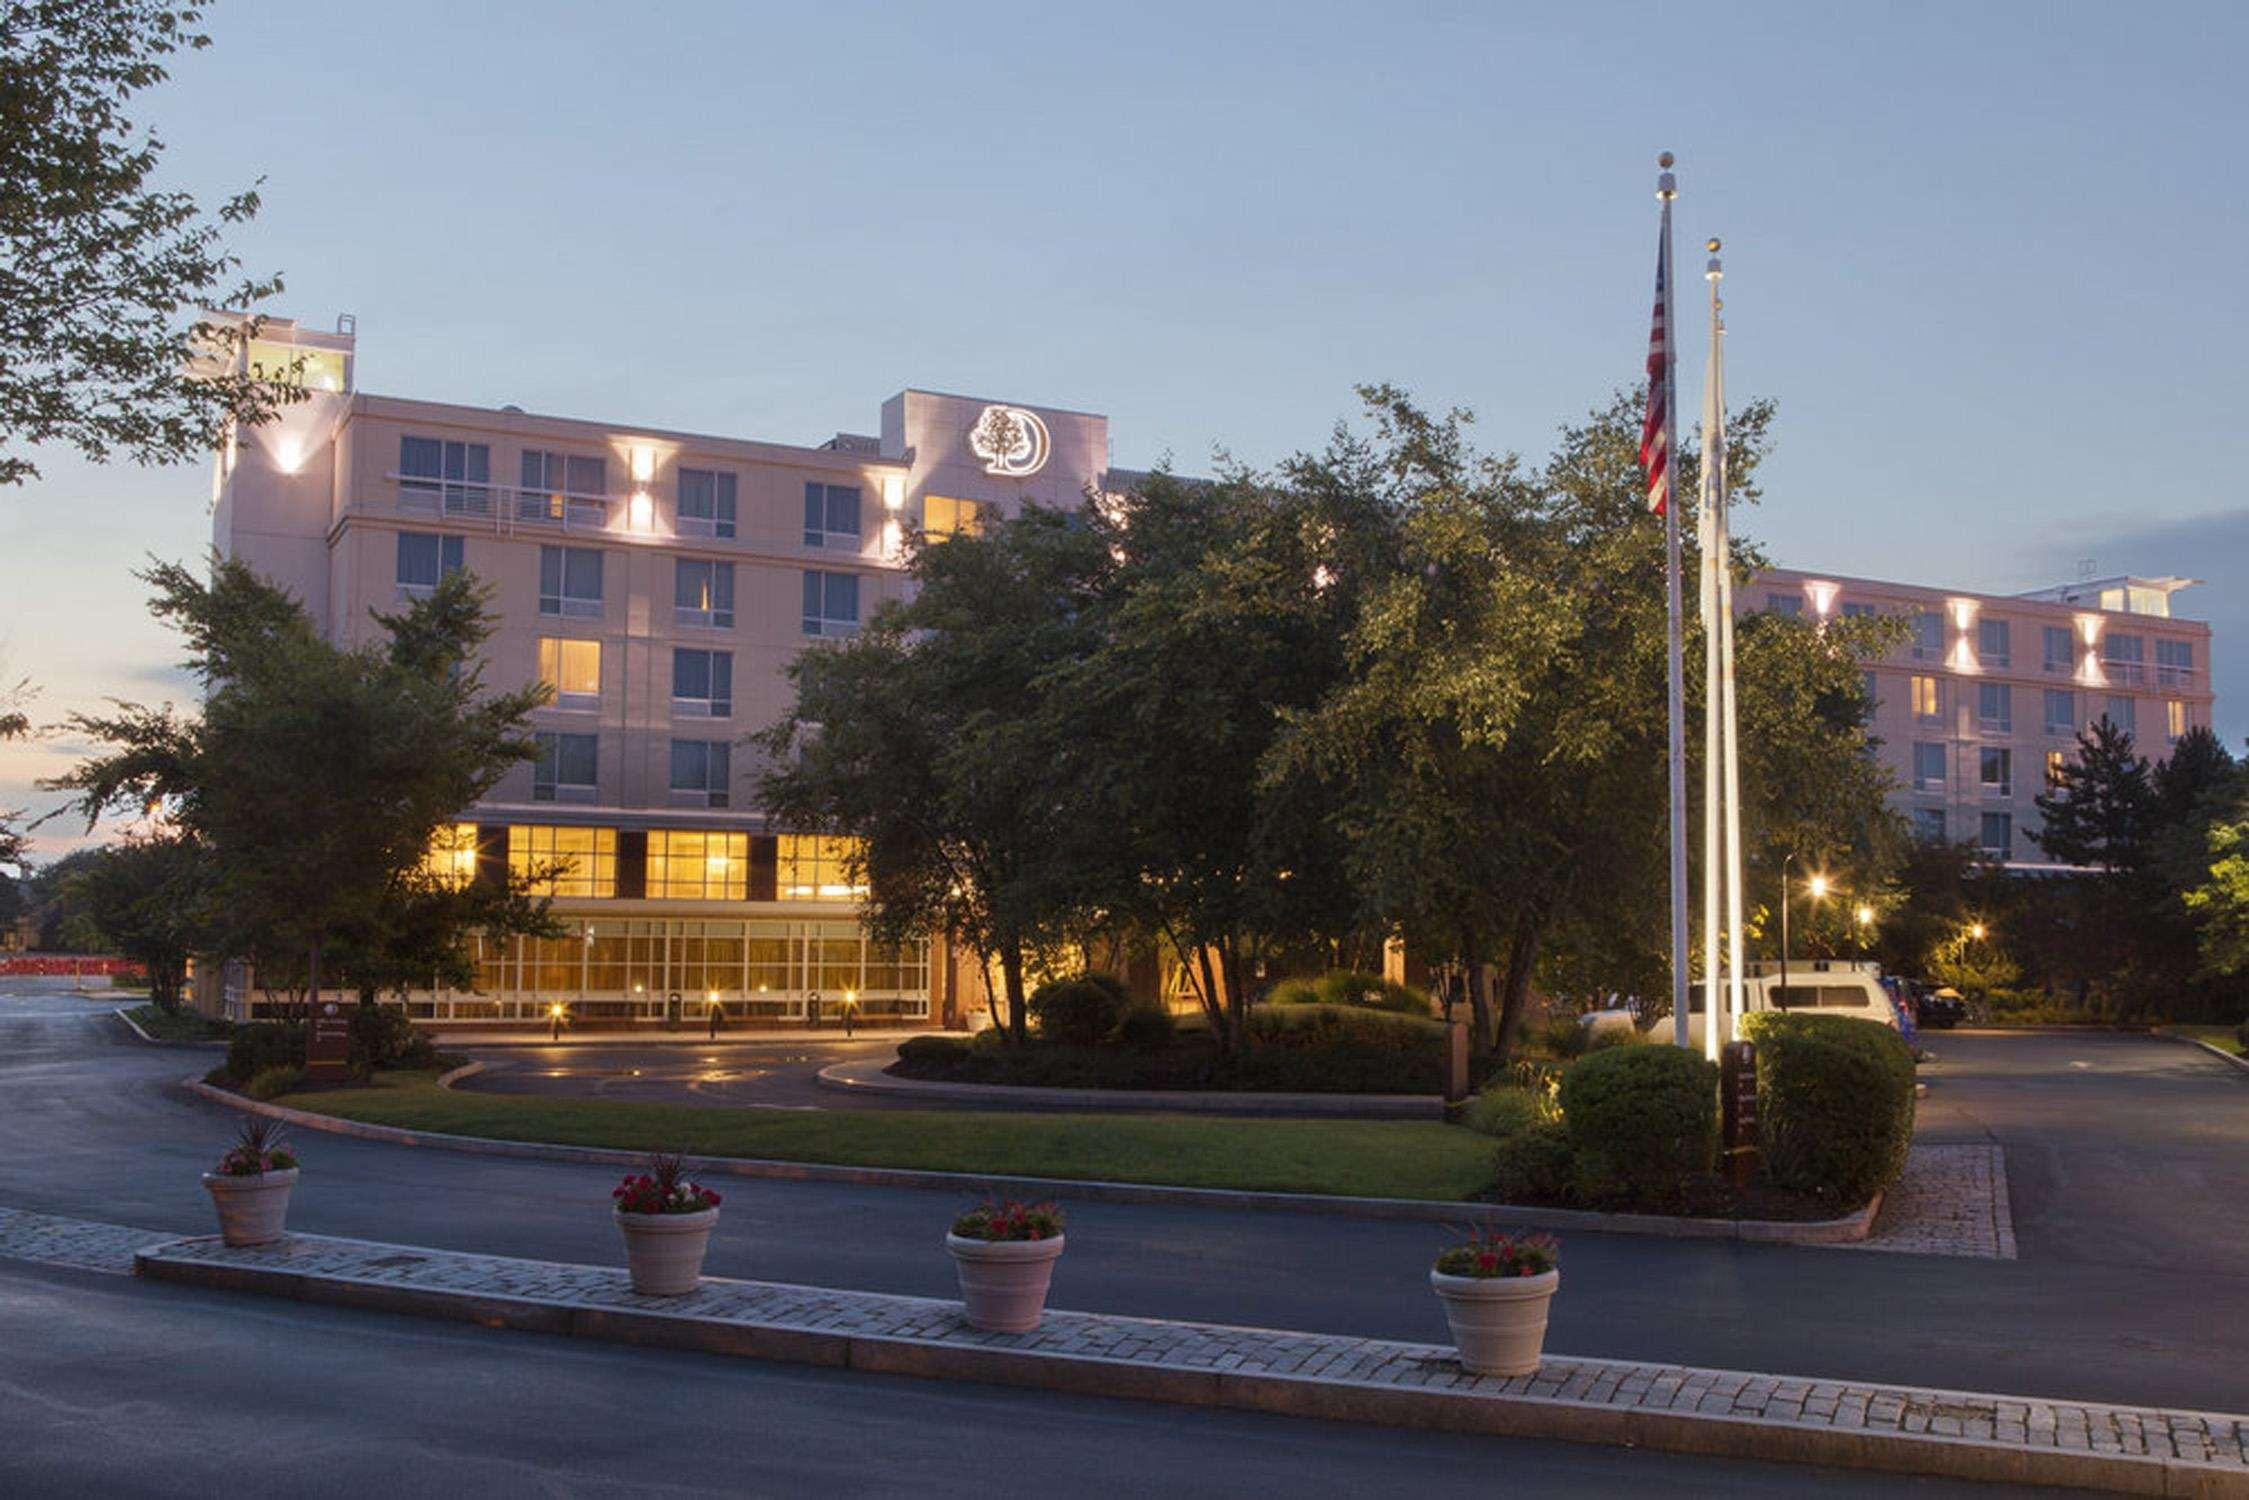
column 813, row 867
column 1995, row 771
column 2055, row 760
column 2120, row 654
column 570, row 582
column 698, row 865
column 2174, row 719
column 1873, row 691
column 563, row 487
column 1928, row 824
column 2061, row 711
column 567, row 769
column 424, row 557
column 1784, row 604
column 572, row 669
column 2174, row 663
column 702, row 683
column 1928, row 636
column 457, row 476
column 942, row 516
column 1995, row 707
column 1858, row 611
column 706, row 503
column 1928, row 765
column 1998, row 835
column 701, row 772
column 2123, row 713
column 1928, row 699
column 831, row 515
column 831, row 603
column 1992, row 643
column 2057, row 649
column 450, row 859
column 703, row 593
column 566, row 861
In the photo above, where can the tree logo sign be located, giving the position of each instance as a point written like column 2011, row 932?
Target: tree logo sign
column 1012, row 442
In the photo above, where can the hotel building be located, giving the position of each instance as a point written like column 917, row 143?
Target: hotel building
column 1985, row 699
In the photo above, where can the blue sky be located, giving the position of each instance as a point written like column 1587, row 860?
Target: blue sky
column 1987, row 258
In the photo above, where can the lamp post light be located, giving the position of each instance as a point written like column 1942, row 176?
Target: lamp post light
column 1865, row 918
column 554, row 1015
column 1817, row 886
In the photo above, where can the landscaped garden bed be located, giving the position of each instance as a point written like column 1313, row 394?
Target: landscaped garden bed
column 177, row 1025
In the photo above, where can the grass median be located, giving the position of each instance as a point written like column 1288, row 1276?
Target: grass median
column 177, row 1025
column 2224, row 1038
column 1361, row 1158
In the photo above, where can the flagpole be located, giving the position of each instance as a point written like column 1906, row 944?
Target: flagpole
column 1715, row 464
column 1667, row 188
column 1710, row 549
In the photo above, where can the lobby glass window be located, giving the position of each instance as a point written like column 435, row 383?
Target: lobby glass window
column 563, row 487
column 831, row 603
column 1928, row 636
column 1997, row 835
column 702, row 683
column 2061, row 711
column 688, row 864
column 1995, row 707
column 570, row 582
column 814, row 867
column 2055, row 760
column 437, row 472
column 2057, row 648
column 1928, row 699
column 2120, row 655
column 424, row 557
column 1928, row 824
column 2174, row 718
column 2123, row 712
column 943, row 516
column 451, row 857
column 572, row 669
column 567, row 769
column 831, row 515
column 1928, row 764
column 1992, row 643
column 2174, row 663
column 564, row 861
column 1995, row 771
column 706, row 503
column 703, row 593
column 701, row 772
column 1784, row 604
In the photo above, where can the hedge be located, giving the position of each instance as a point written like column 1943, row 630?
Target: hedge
column 1352, row 988
column 1834, row 1103
column 1081, row 1010
column 1641, row 1122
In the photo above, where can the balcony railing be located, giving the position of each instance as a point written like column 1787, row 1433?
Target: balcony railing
column 502, row 505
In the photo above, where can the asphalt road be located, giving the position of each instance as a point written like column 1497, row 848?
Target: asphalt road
column 760, row 1074
column 2149, row 1140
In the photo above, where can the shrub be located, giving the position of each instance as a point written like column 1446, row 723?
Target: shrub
column 272, row 1083
column 1146, row 1027
column 260, row 1045
column 1613, row 1036
column 2241, row 1035
column 1834, row 1103
column 1371, row 992
column 1295, row 992
column 384, row 1036
column 1079, row 1011
column 1340, row 1049
column 935, row 1051
column 1534, row 1165
column 1564, row 1036
column 1642, row 1122
column 1504, row 1111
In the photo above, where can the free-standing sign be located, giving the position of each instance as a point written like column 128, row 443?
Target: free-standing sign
column 328, row 1044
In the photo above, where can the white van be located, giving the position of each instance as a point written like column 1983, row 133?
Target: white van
column 1816, row 986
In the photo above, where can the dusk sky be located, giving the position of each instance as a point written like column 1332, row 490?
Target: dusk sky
column 1988, row 259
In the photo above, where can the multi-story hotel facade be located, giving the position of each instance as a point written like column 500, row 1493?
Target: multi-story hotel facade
column 1989, row 692
column 660, row 582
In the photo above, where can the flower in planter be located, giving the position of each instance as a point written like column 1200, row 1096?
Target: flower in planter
column 257, row 1150
column 1001, row 1219
column 1486, row 1253
column 663, row 1189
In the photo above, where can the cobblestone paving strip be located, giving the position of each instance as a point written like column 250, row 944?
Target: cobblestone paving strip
column 1676, row 1407
column 1950, row 1200
column 72, row 1242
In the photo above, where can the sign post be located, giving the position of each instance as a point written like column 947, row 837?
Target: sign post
column 1737, row 1097
column 328, row 1044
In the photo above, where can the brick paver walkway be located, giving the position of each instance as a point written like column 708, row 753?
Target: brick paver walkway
column 72, row 1242
column 1373, row 1379
column 1951, row 1200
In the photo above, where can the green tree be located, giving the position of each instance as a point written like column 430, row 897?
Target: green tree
column 2100, row 806
column 317, row 775
column 2221, row 901
column 146, row 899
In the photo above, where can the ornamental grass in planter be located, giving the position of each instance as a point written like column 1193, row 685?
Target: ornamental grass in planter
column 1496, row 1289
column 250, row 1186
column 1005, row 1253
column 667, row 1222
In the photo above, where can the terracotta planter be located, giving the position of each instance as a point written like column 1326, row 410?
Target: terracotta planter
column 665, row 1251
column 251, row 1209
column 1004, row 1282
column 1498, row 1322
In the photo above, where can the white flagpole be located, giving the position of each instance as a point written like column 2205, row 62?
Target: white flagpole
column 1715, row 467
column 1667, row 188
column 1707, row 537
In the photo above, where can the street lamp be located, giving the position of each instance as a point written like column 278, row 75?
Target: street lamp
column 1865, row 917
column 1817, row 886
column 554, row 1014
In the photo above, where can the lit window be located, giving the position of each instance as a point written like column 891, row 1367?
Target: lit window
column 701, row 771
column 573, row 861
column 702, row 683
column 424, row 557
column 570, row 582
column 572, row 669
column 831, row 603
column 1928, row 699
column 706, row 503
column 942, row 516
column 703, row 593
column 2055, row 760
column 816, row 868
column 2174, row 718
column 831, row 515
column 451, row 857
column 568, row 768
column 695, row 865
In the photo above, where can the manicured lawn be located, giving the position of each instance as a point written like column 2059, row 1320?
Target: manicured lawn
column 1372, row 1158
column 2224, row 1038
column 181, row 1026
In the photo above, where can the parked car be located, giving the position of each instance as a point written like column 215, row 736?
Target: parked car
column 1828, row 987
column 1938, row 1009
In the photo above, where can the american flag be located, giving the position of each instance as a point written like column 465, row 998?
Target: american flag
column 1655, row 448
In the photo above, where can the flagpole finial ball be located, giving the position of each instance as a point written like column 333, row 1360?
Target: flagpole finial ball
column 1666, row 160
column 1711, row 246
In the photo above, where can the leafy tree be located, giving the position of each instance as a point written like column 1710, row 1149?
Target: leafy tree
column 1975, row 966
column 2222, row 900
column 318, row 775
column 146, row 899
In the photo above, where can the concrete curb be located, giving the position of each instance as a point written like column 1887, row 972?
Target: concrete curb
column 2238, row 1064
column 1431, row 1404
column 732, row 1037
column 1847, row 1230
column 867, row 1076
column 123, row 1014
